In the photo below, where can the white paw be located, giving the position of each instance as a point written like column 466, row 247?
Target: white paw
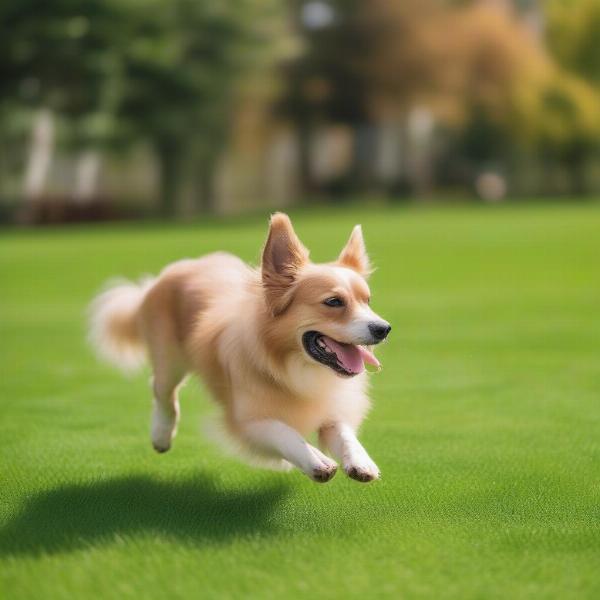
column 323, row 472
column 324, row 468
column 363, row 471
column 164, row 429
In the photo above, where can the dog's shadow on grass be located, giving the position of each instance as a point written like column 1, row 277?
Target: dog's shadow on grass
column 196, row 511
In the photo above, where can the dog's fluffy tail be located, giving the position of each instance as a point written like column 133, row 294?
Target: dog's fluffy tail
column 114, row 329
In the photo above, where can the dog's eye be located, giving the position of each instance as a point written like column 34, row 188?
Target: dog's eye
column 335, row 301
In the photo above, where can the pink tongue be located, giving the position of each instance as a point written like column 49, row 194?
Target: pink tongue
column 368, row 357
column 351, row 357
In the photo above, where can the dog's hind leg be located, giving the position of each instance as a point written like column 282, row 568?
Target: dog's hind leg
column 159, row 329
column 165, row 412
column 169, row 371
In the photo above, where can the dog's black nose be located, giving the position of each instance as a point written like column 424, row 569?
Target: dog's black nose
column 380, row 330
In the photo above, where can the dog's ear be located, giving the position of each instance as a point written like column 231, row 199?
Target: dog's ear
column 283, row 258
column 354, row 254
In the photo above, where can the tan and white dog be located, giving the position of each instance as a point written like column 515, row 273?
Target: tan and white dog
column 281, row 348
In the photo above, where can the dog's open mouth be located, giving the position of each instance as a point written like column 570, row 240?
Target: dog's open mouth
column 345, row 359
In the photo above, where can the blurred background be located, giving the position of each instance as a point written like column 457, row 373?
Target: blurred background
column 463, row 135
column 128, row 108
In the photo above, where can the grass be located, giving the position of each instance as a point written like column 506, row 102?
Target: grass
column 486, row 424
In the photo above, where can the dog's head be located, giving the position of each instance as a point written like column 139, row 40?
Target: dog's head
column 320, row 310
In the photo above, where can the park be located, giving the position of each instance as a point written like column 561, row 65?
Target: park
column 485, row 424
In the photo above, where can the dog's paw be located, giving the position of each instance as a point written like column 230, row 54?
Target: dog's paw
column 363, row 472
column 164, row 429
column 161, row 439
column 162, row 436
column 160, row 447
column 323, row 469
column 324, row 472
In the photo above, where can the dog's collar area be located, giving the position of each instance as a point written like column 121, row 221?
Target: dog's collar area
column 316, row 347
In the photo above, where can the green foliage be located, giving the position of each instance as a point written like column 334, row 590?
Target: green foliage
column 573, row 34
column 482, row 72
column 176, row 76
column 174, row 84
column 327, row 81
column 120, row 72
column 54, row 53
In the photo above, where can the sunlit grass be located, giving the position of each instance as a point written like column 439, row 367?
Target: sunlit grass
column 486, row 424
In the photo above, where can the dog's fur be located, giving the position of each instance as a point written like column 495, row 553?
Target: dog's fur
column 241, row 329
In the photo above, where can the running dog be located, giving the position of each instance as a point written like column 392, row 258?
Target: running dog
column 281, row 348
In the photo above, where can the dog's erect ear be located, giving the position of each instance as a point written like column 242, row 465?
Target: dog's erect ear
column 282, row 259
column 354, row 254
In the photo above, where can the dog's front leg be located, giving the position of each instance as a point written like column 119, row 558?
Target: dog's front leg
column 344, row 445
column 276, row 438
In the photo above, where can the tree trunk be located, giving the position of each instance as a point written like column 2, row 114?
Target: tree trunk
column 169, row 156
column 576, row 163
column 40, row 155
column 206, row 200
column 307, row 184
column 86, row 176
column 364, row 156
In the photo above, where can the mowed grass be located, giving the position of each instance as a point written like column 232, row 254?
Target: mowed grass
column 486, row 424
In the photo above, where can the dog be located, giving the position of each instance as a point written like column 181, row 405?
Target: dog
column 281, row 348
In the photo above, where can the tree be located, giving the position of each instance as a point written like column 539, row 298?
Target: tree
column 160, row 71
column 325, row 82
column 476, row 67
column 176, row 86
column 573, row 31
column 54, row 54
column 53, row 59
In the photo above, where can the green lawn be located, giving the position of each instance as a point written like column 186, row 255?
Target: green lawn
column 486, row 424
